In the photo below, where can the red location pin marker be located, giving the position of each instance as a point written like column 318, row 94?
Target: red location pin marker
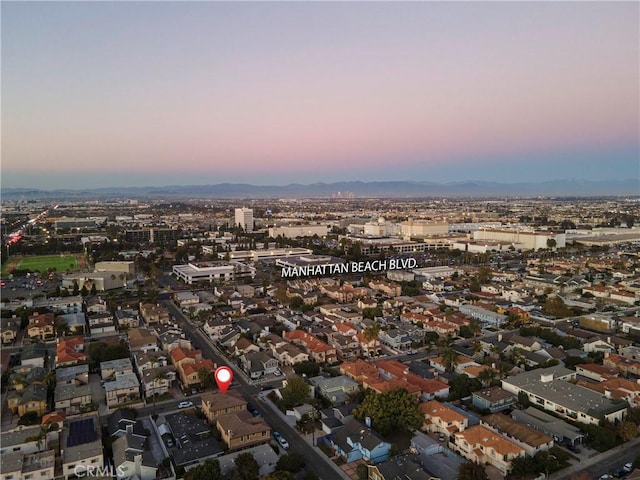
column 223, row 376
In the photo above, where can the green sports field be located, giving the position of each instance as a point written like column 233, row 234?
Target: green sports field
column 43, row 263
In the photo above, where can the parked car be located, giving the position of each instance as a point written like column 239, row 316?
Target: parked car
column 277, row 373
column 185, row 405
column 281, row 440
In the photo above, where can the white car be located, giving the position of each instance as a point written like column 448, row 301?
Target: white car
column 277, row 373
column 185, row 405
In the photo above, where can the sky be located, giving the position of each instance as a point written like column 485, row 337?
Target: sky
column 98, row 94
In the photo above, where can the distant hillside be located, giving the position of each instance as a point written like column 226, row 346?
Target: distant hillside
column 398, row 189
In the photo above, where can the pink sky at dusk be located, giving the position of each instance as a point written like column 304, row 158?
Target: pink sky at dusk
column 280, row 92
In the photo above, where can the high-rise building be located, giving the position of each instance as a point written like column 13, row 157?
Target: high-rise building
column 244, row 218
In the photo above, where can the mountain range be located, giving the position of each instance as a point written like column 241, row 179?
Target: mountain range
column 358, row 189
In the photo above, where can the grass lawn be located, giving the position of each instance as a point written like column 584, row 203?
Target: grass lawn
column 42, row 263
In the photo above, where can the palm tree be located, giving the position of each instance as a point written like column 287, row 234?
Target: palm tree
column 486, row 376
column 159, row 377
column 448, row 353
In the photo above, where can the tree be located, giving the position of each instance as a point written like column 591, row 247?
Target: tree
column 209, row 470
column 472, row 471
column 486, row 376
column 627, row 430
column 371, row 312
column 94, row 290
column 279, row 475
column 246, row 467
column 206, row 377
column 291, row 462
column 551, row 243
column 523, row 400
column 308, row 368
column 392, row 410
column 295, row 393
column 462, row 386
column 362, row 471
column 633, row 415
column 484, row 275
column 296, row 302
column 371, row 333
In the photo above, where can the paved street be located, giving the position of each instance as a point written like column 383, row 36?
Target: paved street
column 315, row 460
column 606, row 462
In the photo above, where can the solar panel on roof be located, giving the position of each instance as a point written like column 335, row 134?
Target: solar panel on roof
column 81, row 432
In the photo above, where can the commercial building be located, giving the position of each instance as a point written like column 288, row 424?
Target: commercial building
column 295, row 231
column 529, row 239
column 212, row 271
column 244, row 219
column 423, row 228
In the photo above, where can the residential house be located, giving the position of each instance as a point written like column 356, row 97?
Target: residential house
column 215, row 326
column 288, row 354
column 75, row 375
column 627, row 366
column 127, row 318
column 157, row 381
column 123, row 421
column 240, row 430
column 368, row 347
column 244, row 345
column 9, row 328
column 21, row 466
column 396, row 338
column 596, row 372
column 618, row 388
column 186, row 299
column 71, row 399
column 123, row 390
column 556, row 428
column 318, row 350
column 140, row 339
column 356, row 441
column 101, row 323
column 335, row 389
column 215, row 405
column 111, row 368
column 440, row 418
column 189, row 372
column 406, row 466
column 132, row 460
column 493, row 399
column 81, row 445
column 481, row 445
column 146, row 361
column 21, row 440
column 347, row 347
column 96, row 305
column 70, row 351
column 76, row 323
column 153, row 314
column 258, row 364
column 33, row 398
column 34, row 355
column 182, row 355
column 532, row 440
column 41, row 326
column 550, row 389
column 170, row 340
